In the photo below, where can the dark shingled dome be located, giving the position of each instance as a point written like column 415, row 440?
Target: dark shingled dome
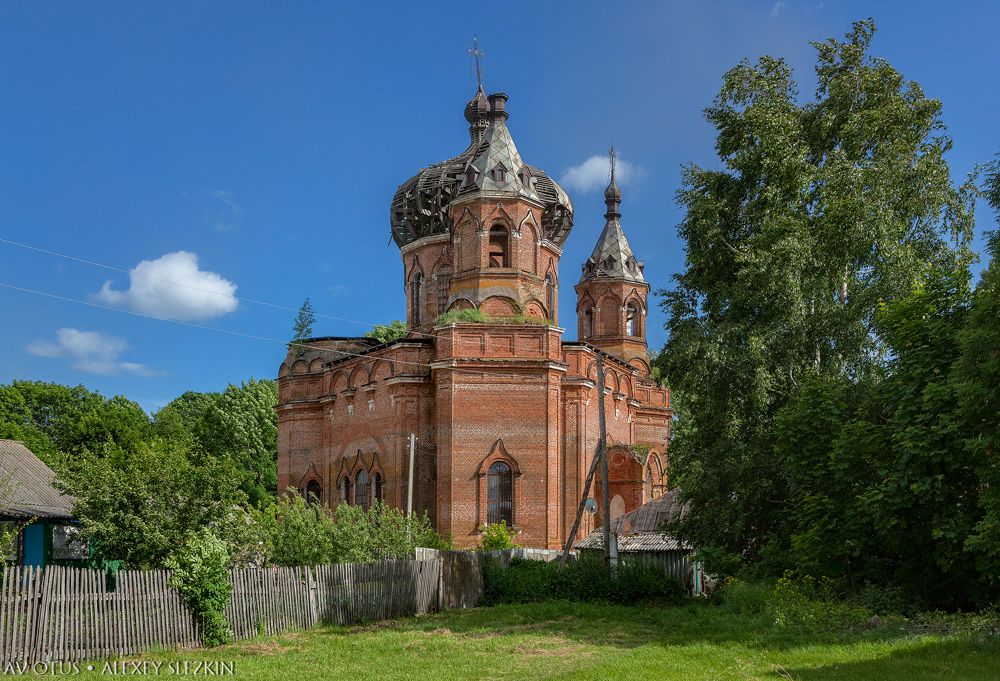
column 419, row 208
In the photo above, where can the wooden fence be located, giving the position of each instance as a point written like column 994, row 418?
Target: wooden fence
column 63, row 613
column 67, row 614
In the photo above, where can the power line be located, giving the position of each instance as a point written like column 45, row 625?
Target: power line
column 132, row 273
column 230, row 332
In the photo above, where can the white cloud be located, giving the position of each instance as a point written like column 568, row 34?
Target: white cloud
column 173, row 287
column 777, row 7
column 92, row 352
column 594, row 174
column 226, row 217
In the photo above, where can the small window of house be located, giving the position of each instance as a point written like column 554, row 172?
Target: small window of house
column 67, row 544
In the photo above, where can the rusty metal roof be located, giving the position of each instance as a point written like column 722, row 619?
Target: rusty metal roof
column 27, row 489
column 639, row 530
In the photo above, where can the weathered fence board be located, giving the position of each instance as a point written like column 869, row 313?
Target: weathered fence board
column 71, row 614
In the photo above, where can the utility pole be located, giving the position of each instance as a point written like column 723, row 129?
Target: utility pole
column 610, row 540
column 409, row 484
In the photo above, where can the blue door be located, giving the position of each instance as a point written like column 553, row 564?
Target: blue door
column 33, row 538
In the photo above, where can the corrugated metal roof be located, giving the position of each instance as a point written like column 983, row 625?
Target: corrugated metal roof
column 28, row 482
column 639, row 530
column 634, row 543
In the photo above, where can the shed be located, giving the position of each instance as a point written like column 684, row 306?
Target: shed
column 41, row 514
column 641, row 538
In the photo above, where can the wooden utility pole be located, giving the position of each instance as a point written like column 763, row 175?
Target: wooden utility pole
column 600, row 456
column 610, row 540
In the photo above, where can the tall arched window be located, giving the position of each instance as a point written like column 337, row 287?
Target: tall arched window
column 415, row 285
column 499, row 246
column 633, row 320
column 588, row 323
column 550, row 295
column 361, row 490
column 377, row 487
column 443, row 281
column 314, row 492
column 500, row 494
column 345, row 491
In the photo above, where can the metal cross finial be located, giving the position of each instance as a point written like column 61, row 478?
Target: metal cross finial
column 613, row 155
column 476, row 54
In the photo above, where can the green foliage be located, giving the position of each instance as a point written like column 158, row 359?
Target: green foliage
column 388, row 334
column 241, row 426
column 298, row 533
column 797, row 304
column 978, row 390
column 473, row 316
column 139, row 506
column 497, row 537
column 201, row 575
column 178, row 421
column 304, row 320
column 586, row 579
column 57, row 421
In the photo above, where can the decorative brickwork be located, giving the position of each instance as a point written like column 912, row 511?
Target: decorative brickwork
column 476, row 394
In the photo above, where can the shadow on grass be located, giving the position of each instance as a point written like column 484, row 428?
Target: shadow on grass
column 930, row 659
column 631, row 626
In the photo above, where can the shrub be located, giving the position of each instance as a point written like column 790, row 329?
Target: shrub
column 200, row 574
column 586, row 579
column 298, row 533
column 497, row 537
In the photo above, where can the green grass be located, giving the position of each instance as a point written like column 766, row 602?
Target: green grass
column 585, row 641
column 473, row 316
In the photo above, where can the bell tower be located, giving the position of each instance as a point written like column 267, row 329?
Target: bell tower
column 612, row 291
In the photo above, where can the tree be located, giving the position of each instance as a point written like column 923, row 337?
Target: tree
column 140, row 506
column 821, row 212
column 242, row 426
column 178, row 421
column 57, row 421
column 388, row 334
column 979, row 396
column 304, row 321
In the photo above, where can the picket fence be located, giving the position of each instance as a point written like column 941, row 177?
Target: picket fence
column 68, row 614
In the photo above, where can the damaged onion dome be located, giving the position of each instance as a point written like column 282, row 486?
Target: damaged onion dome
column 490, row 166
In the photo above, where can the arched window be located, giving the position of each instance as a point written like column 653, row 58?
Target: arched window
column 588, row 323
column 499, row 246
column 443, row 280
column 649, row 483
column 361, row 490
column 345, row 491
column 314, row 492
column 550, row 295
column 415, row 285
column 633, row 320
column 377, row 487
column 500, row 494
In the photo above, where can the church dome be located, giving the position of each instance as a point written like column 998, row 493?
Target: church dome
column 420, row 205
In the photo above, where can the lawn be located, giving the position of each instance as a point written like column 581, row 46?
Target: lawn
column 585, row 641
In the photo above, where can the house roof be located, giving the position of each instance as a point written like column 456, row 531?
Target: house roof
column 28, row 489
column 639, row 530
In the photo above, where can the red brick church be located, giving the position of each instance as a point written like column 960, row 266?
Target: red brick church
column 504, row 410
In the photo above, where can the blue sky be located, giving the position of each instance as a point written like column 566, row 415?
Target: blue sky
column 257, row 145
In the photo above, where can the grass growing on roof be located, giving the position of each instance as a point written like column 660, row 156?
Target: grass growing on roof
column 473, row 316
